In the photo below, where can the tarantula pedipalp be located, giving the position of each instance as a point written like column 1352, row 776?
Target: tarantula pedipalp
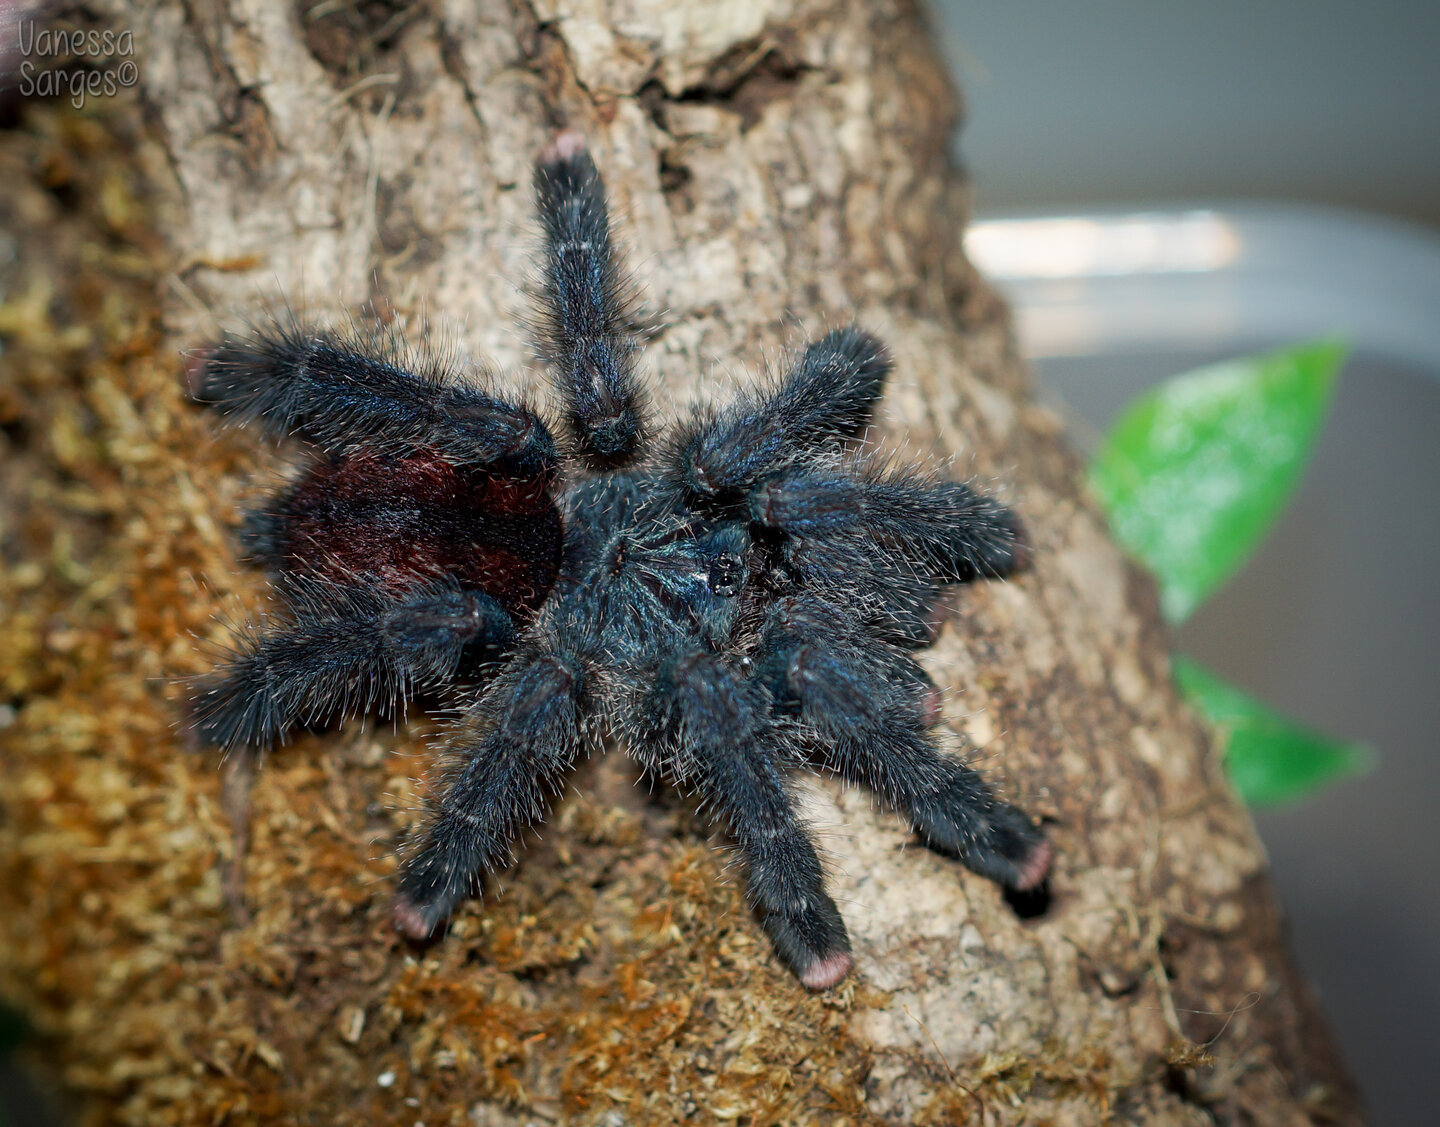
column 729, row 605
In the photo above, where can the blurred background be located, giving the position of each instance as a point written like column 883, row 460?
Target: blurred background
column 1163, row 184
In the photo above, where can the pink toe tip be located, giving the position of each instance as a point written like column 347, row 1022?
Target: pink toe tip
column 825, row 973
column 1022, row 556
column 409, row 920
column 195, row 372
column 935, row 622
column 930, row 708
column 565, row 145
column 1036, row 867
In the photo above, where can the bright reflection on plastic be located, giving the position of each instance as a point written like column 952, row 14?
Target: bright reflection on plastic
column 1187, row 243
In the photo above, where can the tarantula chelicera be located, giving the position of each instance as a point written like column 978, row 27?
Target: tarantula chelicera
column 729, row 604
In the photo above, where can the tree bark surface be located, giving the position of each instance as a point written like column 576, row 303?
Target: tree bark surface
column 201, row 947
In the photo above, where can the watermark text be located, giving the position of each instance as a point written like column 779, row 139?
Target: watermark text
column 75, row 63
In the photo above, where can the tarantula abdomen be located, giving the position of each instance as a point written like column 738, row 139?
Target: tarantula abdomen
column 397, row 519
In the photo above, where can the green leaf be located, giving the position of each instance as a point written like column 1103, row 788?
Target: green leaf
column 1196, row 470
column 1270, row 758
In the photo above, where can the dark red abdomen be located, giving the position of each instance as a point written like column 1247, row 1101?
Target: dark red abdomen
column 397, row 521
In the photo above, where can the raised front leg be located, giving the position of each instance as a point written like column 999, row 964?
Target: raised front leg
column 587, row 311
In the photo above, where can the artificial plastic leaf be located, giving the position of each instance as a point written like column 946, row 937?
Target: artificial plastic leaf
column 1196, row 470
column 1270, row 758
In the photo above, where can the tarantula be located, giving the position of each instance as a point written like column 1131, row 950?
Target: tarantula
column 729, row 604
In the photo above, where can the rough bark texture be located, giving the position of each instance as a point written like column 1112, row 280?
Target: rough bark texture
column 780, row 166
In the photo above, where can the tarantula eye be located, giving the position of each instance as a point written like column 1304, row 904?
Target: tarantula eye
column 727, row 575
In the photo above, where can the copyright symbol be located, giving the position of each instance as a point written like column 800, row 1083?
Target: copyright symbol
column 127, row 74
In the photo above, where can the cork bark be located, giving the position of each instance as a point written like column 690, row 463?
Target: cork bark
column 199, row 946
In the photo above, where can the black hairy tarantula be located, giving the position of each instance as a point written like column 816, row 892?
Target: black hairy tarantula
column 730, row 604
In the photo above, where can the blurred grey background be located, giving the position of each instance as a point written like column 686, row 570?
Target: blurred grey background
column 1322, row 100
column 1233, row 120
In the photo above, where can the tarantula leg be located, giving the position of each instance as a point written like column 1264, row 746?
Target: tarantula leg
column 348, row 650
column 895, row 602
column 869, row 733
column 587, row 309
column 317, row 385
column 721, row 721
column 808, row 638
column 509, row 769
column 825, row 398
column 942, row 526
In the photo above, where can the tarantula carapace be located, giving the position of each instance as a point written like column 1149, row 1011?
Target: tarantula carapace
column 729, row 604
